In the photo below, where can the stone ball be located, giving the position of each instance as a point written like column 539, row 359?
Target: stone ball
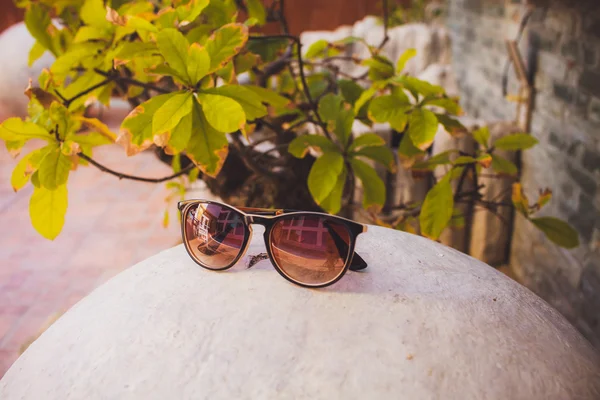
column 423, row 321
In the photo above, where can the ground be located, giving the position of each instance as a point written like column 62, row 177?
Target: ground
column 111, row 224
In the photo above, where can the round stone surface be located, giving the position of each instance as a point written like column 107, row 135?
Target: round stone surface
column 423, row 321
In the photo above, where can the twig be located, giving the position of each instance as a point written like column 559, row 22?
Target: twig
column 121, row 175
column 113, row 77
column 67, row 102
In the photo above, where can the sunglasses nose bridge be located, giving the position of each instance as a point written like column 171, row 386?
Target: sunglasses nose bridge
column 256, row 219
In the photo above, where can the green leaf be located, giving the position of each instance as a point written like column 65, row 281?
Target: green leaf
column 330, row 106
column 367, row 140
column 225, row 43
column 343, row 125
column 324, row 174
column 350, row 90
column 222, row 113
column 446, row 103
column 403, row 59
column 170, row 113
column 439, row 159
column 136, row 129
column 408, row 152
column 174, row 48
column 47, row 209
column 37, row 21
column 503, row 166
column 389, row 109
column 180, row 135
column 198, row 63
column 35, row 53
column 422, row 128
column 463, row 160
column 316, row 49
column 302, row 144
column 373, row 186
column 418, row 87
column 207, row 147
column 516, row 141
column 482, row 136
column 92, row 139
column 93, row 13
column 256, row 10
column 16, row 130
column 250, row 102
column 380, row 68
column 141, row 26
column 381, row 154
column 451, row 125
column 268, row 96
column 559, row 232
column 333, row 203
column 54, row 169
column 437, row 209
column 364, row 98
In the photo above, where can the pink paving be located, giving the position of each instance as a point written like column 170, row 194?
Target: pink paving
column 110, row 225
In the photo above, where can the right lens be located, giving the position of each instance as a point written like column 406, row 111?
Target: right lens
column 215, row 234
column 310, row 249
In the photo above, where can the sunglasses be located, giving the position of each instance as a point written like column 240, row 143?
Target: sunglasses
column 310, row 249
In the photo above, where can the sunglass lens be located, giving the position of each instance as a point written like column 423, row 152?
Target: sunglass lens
column 214, row 234
column 310, row 249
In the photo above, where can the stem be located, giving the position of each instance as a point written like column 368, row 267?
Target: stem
column 121, row 175
column 112, row 77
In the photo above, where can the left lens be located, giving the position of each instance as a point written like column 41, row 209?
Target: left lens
column 310, row 249
column 214, row 234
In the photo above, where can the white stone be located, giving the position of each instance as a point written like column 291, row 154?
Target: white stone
column 15, row 43
column 422, row 322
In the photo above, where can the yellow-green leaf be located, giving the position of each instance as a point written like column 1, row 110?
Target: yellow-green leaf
column 16, row 130
column 180, row 135
column 333, row 202
column 35, row 53
column 195, row 9
column 136, row 129
column 373, row 186
column 330, row 106
column 174, row 48
column 422, row 128
column 54, row 169
column 437, row 209
column 26, row 166
column 559, row 232
column 482, row 136
column 256, row 9
column 93, row 13
column 207, row 147
column 390, row 109
column 225, row 43
column 170, row 113
column 302, row 144
column 250, row 102
column 364, row 97
column 419, row 87
column 366, row 140
column 446, row 103
column 316, row 49
column 222, row 113
column 198, row 63
column 350, row 90
column 503, row 166
column 323, row 175
column 37, row 21
column 403, row 59
column 268, row 96
column 408, row 152
column 47, row 209
column 514, row 142
column 381, row 154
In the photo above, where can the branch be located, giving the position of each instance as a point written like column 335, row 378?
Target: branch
column 121, row 175
column 67, row 102
column 385, row 24
column 117, row 78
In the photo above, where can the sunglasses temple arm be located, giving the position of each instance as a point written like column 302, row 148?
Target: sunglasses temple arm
column 357, row 263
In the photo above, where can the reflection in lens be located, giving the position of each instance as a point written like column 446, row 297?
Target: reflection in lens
column 310, row 249
column 215, row 234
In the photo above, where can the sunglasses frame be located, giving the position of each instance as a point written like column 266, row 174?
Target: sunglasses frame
column 267, row 218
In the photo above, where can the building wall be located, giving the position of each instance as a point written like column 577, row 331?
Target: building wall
column 562, row 44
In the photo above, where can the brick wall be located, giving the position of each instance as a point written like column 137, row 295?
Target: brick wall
column 562, row 42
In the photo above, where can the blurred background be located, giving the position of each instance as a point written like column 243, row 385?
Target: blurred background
column 113, row 224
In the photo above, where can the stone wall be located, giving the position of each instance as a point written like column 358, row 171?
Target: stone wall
column 561, row 43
